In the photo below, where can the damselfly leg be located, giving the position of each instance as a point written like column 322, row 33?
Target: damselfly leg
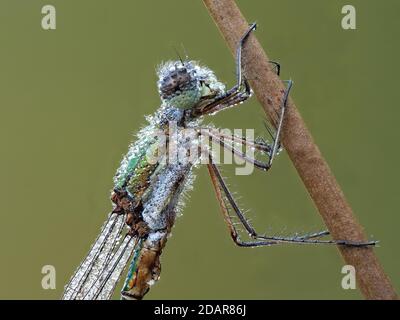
column 271, row 149
column 241, row 91
column 238, row 93
column 226, row 200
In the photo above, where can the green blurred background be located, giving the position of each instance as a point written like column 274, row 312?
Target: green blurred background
column 71, row 98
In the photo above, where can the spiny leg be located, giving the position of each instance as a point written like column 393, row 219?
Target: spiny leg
column 276, row 144
column 314, row 235
column 225, row 212
column 259, row 145
column 277, row 67
column 223, row 192
column 271, row 149
column 239, row 49
column 306, row 239
column 239, row 92
column 242, row 155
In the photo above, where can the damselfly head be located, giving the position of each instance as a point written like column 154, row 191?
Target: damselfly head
column 182, row 84
column 178, row 84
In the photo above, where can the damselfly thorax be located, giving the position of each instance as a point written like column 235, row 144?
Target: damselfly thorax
column 152, row 179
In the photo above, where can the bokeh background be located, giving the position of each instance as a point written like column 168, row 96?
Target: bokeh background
column 71, row 99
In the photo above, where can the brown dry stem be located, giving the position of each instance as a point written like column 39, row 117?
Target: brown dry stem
column 304, row 153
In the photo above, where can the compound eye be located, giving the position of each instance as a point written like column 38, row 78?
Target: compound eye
column 176, row 80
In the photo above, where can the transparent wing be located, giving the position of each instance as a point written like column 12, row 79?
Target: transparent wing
column 98, row 274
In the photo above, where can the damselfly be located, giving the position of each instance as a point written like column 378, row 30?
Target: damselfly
column 147, row 194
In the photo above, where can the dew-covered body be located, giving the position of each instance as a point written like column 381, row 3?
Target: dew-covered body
column 152, row 179
column 148, row 188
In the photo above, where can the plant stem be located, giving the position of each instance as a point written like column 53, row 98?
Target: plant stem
column 304, row 153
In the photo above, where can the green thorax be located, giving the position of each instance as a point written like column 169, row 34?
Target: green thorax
column 141, row 161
